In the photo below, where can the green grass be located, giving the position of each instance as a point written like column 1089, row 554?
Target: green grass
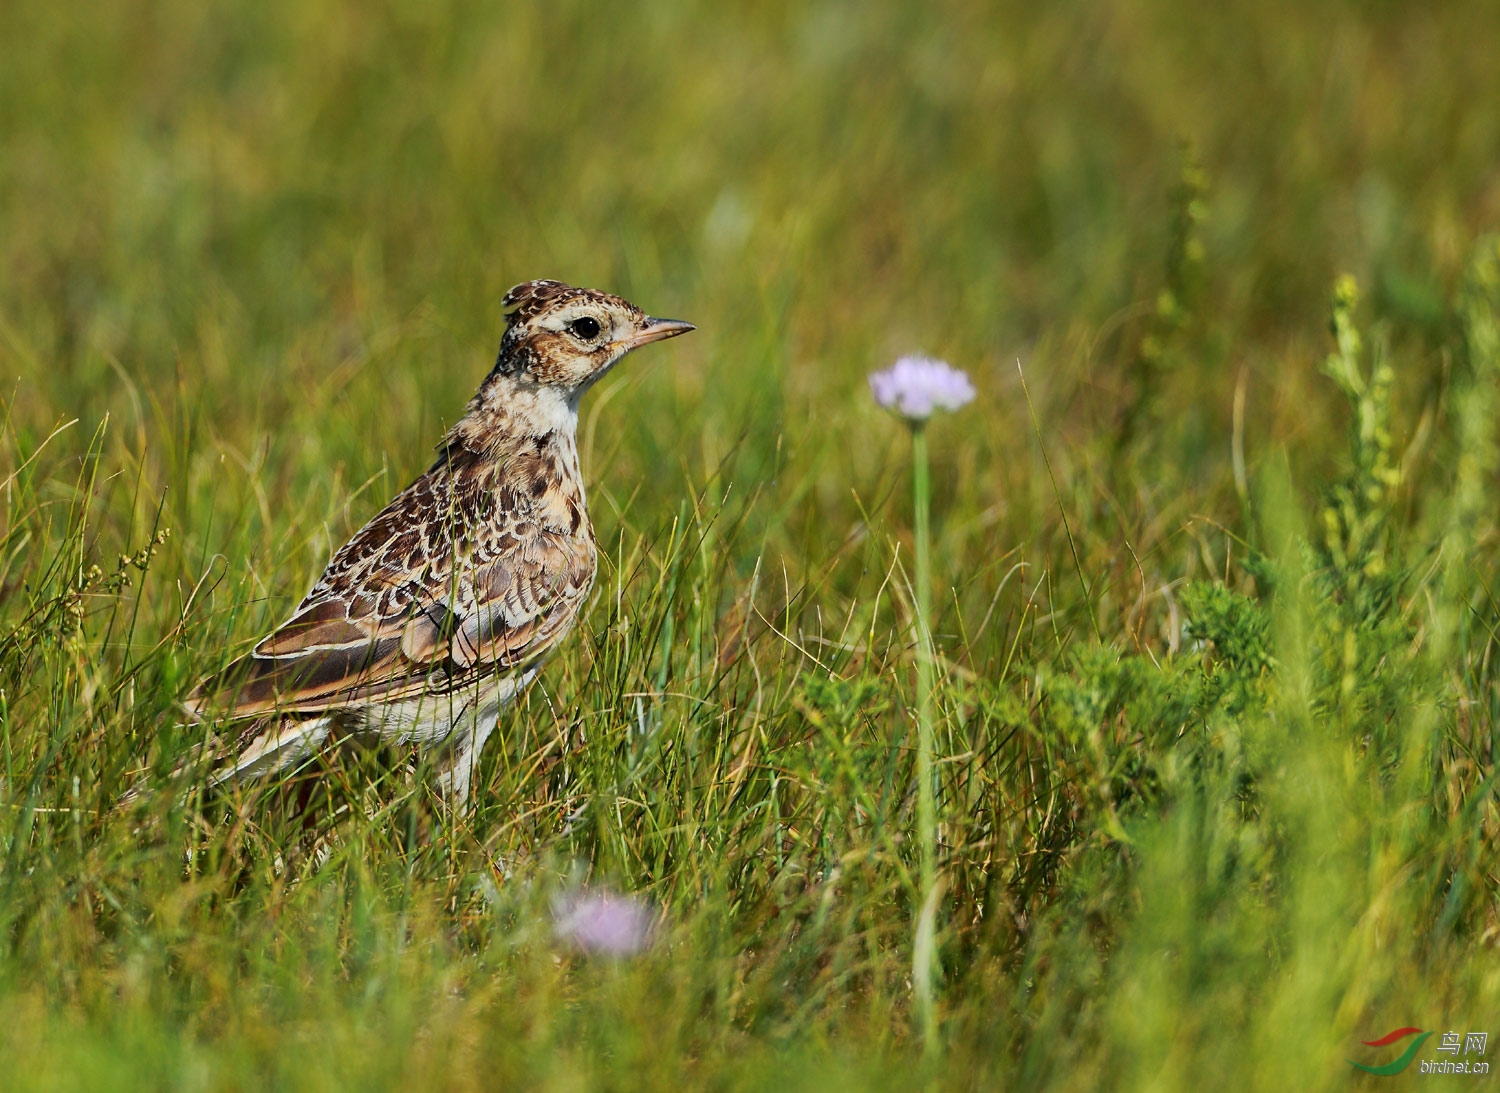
column 1213, row 598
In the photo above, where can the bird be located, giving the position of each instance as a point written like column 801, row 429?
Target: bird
column 443, row 608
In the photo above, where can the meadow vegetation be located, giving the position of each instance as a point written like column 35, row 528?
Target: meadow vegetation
column 1214, row 556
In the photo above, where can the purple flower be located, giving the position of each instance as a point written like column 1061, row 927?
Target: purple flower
column 916, row 386
column 602, row 922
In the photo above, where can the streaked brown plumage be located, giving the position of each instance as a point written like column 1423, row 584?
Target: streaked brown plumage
column 443, row 607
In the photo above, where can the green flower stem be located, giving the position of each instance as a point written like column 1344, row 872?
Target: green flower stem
column 924, row 953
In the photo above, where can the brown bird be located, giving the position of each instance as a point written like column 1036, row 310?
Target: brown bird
column 445, row 605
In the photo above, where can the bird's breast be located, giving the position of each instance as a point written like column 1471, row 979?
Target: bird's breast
column 541, row 483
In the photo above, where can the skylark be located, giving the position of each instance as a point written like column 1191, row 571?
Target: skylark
column 444, row 606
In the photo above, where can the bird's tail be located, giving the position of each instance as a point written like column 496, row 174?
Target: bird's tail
column 270, row 746
column 264, row 747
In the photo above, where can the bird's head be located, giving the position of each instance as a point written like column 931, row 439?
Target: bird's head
column 567, row 338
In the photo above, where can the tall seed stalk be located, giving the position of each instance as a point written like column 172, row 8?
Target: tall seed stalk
column 924, row 951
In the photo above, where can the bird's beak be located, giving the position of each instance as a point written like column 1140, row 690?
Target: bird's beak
column 656, row 330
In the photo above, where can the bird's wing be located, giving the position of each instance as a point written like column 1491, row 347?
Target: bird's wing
column 451, row 582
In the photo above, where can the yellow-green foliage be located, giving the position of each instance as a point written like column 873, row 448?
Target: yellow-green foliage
column 1216, row 729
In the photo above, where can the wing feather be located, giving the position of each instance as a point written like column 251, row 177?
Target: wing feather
column 495, row 591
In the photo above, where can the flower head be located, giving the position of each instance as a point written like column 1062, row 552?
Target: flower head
column 916, row 386
column 602, row 922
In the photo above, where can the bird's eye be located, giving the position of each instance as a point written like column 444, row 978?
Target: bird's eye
column 586, row 328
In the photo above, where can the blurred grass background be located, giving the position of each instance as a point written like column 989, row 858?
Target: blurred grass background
column 1216, row 791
